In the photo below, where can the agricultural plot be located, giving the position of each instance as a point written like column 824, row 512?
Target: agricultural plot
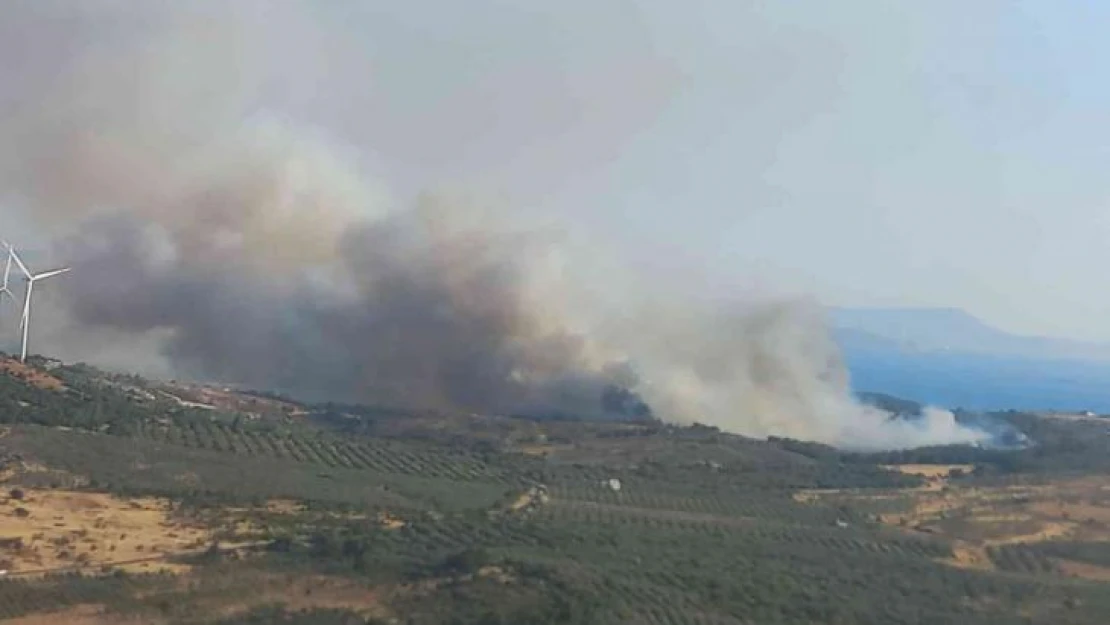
column 1019, row 528
column 373, row 455
column 649, row 496
column 130, row 465
column 611, row 524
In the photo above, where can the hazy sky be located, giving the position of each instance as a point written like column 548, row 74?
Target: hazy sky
column 942, row 153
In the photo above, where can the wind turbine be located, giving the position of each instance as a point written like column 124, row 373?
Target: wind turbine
column 31, row 279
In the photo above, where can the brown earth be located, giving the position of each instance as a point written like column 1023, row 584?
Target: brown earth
column 59, row 529
column 974, row 557
column 30, row 375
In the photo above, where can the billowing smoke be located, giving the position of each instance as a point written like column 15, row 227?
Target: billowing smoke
column 256, row 252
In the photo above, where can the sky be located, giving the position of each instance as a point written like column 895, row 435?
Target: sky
column 868, row 153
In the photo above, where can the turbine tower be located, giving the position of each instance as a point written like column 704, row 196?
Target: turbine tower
column 31, row 279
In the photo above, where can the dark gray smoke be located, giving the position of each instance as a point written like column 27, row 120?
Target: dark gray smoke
column 250, row 250
column 415, row 307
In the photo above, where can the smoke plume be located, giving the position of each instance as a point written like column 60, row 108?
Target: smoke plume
column 253, row 250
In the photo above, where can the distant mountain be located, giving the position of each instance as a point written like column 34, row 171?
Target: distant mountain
column 950, row 358
column 951, row 329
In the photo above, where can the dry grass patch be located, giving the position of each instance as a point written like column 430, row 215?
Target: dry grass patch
column 284, row 506
column 936, row 475
column 967, row 556
column 930, row 470
column 390, row 522
column 59, row 529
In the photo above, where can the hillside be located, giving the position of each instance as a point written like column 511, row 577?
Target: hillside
column 165, row 503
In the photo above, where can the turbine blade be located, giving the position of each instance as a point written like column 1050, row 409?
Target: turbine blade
column 8, row 269
column 18, row 261
column 50, row 274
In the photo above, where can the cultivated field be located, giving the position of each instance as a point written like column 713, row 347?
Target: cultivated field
column 122, row 505
column 1009, row 527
